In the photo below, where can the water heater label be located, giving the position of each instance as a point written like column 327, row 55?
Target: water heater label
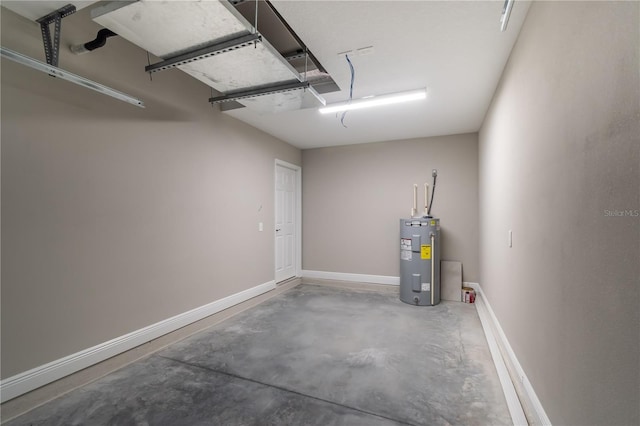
column 425, row 251
column 426, row 286
column 405, row 255
column 405, row 243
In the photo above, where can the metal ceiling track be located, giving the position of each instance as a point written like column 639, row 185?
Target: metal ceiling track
column 296, row 37
column 52, row 47
column 66, row 75
column 209, row 40
column 205, row 52
column 52, row 54
column 269, row 90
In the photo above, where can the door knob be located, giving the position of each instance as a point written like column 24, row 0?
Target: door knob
column 278, row 230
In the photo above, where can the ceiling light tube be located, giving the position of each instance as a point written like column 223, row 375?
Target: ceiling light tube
column 66, row 75
column 391, row 98
column 506, row 13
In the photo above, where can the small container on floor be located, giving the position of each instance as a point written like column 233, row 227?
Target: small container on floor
column 468, row 295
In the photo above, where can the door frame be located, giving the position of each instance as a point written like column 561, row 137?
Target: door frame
column 298, row 213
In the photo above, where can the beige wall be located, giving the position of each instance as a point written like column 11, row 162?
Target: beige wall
column 560, row 146
column 114, row 217
column 353, row 197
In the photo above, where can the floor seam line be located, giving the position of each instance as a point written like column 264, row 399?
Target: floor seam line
column 285, row 390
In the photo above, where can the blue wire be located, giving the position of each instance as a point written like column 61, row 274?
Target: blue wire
column 353, row 77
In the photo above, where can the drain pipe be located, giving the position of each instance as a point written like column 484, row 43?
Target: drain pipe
column 100, row 40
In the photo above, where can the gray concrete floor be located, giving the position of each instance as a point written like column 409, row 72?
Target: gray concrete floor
column 314, row 355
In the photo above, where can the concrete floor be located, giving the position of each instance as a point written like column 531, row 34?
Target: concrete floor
column 314, row 355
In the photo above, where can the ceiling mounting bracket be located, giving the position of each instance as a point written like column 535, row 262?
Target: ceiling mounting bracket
column 296, row 37
column 205, row 52
column 268, row 90
column 52, row 47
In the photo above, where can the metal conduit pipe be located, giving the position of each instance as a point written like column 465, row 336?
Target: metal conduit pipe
column 434, row 173
column 99, row 41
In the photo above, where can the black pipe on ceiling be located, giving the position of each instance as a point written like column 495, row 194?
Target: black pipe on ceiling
column 99, row 41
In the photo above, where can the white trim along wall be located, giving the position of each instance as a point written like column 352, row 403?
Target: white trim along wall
column 513, row 403
column 498, row 344
column 500, row 348
column 45, row 374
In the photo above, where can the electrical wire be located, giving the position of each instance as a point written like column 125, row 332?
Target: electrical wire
column 433, row 191
column 149, row 63
column 353, row 77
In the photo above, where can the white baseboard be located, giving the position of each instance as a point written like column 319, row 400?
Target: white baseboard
column 29, row 380
column 361, row 278
column 474, row 286
column 489, row 324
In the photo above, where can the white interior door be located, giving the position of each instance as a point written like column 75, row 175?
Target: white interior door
column 286, row 222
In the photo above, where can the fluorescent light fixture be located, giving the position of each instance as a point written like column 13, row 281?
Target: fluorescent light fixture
column 373, row 101
column 66, row 75
column 506, row 13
